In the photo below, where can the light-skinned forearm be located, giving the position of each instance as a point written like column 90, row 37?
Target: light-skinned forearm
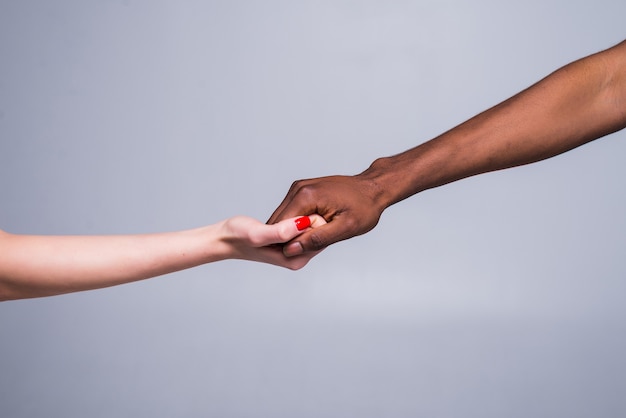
column 580, row 102
column 33, row 266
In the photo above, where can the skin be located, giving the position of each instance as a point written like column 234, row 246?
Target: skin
column 34, row 266
column 578, row 103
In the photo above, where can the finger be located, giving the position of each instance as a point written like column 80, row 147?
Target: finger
column 274, row 255
column 316, row 239
column 317, row 220
column 295, row 203
column 290, row 209
column 288, row 197
column 280, row 232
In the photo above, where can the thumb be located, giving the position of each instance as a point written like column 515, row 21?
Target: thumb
column 281, row 232
column 318, row 238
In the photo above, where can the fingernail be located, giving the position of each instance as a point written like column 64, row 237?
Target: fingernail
column 303, row 223
column 295, row 248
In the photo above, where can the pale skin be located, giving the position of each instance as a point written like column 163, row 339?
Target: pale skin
column 35, row 266
column 578, row 103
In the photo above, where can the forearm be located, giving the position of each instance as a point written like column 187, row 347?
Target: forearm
column 580, row 102
column 33, row 266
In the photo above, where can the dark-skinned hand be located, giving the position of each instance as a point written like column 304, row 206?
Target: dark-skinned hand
column 349, row 204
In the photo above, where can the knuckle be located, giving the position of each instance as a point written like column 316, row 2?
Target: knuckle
column 256, row 239
column 351, row 224
column 306, row 191
column 284, row 233
column 295, row 186
column 317, row 242
column 353, row 227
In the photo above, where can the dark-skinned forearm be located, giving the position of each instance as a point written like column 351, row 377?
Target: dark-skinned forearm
column 578, row 103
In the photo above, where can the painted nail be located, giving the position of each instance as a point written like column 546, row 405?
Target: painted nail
column 303, row 223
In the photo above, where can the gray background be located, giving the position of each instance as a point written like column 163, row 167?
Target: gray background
column 499, row 295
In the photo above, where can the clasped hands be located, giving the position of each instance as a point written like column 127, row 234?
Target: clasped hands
column 350, row 206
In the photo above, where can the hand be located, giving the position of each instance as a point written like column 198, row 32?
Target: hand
column 35, row 266
column 350, row 204
column 249, row 239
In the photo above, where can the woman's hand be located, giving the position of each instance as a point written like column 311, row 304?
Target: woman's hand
column 248, row 239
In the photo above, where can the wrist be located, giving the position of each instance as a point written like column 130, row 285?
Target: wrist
column 381, row 183
column 214, row 242
column 231, row 238
column 426, row 166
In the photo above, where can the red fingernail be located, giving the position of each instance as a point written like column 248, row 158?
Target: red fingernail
column 303, row 223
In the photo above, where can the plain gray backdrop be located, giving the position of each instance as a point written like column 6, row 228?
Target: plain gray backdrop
column 496, row 296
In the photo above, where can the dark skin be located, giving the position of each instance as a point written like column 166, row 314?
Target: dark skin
column 581, row 102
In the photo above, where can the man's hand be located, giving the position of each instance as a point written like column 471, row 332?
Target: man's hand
column 351, row 205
